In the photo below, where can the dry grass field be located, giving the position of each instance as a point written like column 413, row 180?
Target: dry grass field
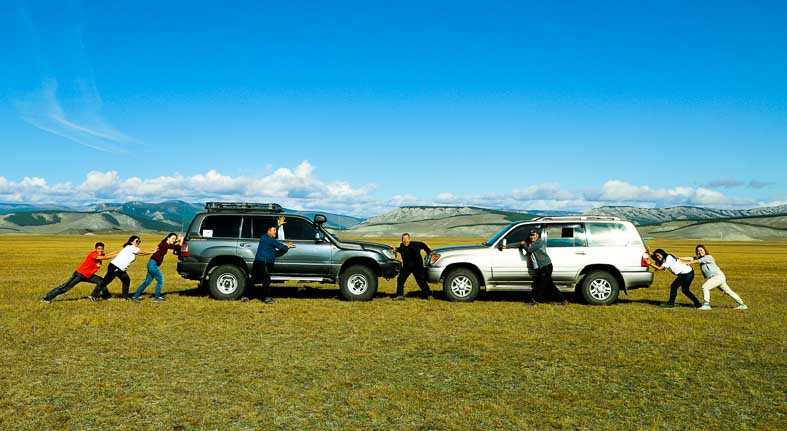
column 313, row 361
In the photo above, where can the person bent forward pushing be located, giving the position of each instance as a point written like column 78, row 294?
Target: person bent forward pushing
column 412, row 263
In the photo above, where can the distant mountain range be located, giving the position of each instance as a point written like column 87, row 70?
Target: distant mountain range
column 689, row 223
column 766, row 223
column 132, row 216
column 647, row 216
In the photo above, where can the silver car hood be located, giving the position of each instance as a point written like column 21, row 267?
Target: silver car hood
column 460, row 247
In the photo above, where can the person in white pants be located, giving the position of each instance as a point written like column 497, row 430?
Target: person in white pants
column 714, row 277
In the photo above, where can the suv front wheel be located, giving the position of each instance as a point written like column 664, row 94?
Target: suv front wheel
column 358, row 283
column 600, row 288
column 227, row 282
column 461, row 285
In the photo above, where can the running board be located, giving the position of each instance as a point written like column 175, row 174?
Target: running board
column 302, row 279
column 524, row 288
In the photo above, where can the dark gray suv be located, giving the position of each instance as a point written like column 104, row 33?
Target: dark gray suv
column 220, row 245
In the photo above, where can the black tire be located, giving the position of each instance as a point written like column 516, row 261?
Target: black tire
column 227, row 282
column 600, row 288
column 461, row 285
column 358, row 283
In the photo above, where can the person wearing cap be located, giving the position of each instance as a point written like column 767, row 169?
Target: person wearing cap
column 412, row 263
column 540, row 264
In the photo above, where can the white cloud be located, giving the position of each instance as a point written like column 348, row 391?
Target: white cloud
column 296, row 188
column 299, row 188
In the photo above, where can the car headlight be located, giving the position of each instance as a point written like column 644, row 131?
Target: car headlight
column 432, row 258
column 387, row 252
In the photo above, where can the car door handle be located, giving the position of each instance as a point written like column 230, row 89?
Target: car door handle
column 245, row 244
column 580, row 252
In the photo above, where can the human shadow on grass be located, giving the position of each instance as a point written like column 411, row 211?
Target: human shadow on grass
column 653, row 302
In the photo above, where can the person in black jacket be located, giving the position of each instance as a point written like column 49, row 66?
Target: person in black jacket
column 540, row 266
column 412, row 263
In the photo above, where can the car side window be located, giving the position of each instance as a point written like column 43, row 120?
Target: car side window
column 519, row 234
column 566, row 235
column 295, row 230
column 608, row 234
column 220, row 226
column 256, row 226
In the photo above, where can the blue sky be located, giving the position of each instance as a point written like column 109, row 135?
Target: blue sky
column 359, row 107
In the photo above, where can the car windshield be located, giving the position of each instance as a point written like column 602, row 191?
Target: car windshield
column 499, row 234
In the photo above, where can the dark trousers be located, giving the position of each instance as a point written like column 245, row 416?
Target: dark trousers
column 75, row 279
column 418, row 274
column 684, row 282
column 542, row 280
column 112, row 272
column 261, row 273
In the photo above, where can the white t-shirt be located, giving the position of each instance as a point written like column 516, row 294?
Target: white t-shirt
column 126, row 256
column 675, row 266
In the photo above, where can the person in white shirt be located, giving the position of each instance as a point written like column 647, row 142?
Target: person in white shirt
column 714, row 277
column 684, row 275
column 117, row 268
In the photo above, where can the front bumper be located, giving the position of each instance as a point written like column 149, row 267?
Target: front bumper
column 433, row 274
column 390, row 269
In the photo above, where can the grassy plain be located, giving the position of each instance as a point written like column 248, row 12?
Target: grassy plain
column 312, row 361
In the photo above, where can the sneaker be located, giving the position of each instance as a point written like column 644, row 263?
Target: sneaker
column 742, row 307
column 137, row 298
column 46, row 300
column 667, row 305
column 244, row 299
column 93, row 298
column 532, row 302
column 398, row 298
column 268, row 300
column 159, row 299
column 705, row 306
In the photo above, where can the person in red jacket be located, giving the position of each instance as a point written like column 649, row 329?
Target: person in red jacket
column 170, row 242
column 86, row 273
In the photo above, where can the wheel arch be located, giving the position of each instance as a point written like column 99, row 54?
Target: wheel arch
column 363, row 261
column 225, row 260
column 601, row 267
column 465, row 265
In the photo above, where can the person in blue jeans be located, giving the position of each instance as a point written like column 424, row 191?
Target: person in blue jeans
column 684, row 275
column 267, row 251
column 170, row 242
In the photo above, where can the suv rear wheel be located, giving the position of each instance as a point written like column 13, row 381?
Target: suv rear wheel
column 227, row 282
column 358, row 283
column 600, row 288
column 461, row 285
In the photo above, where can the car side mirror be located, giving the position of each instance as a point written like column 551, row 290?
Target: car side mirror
column 320, row 219
column 502, row 244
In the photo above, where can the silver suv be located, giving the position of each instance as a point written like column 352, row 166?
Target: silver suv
column 220, row 245
column 596, row 256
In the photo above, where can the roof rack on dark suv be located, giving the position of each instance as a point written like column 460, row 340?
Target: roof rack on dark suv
column 221, row 242
column 240, row 206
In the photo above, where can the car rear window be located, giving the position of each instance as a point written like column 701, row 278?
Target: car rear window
column 566, row 235
column 220, row 226
column 608, row 234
